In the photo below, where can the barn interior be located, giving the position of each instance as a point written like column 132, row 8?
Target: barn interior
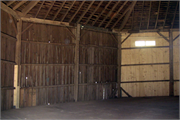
column 90, row 59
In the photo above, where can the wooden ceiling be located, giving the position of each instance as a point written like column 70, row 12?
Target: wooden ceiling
column 120, row 15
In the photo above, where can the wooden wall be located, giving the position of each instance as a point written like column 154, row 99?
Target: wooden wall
column 8, row 44
column 47, row 65
column 98, row 65
column 145, row 71
column 176, row 58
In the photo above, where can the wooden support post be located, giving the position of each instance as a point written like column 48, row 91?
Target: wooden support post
column 171, row 83
column 17, row 67
column 119, row 65
column 76, row 61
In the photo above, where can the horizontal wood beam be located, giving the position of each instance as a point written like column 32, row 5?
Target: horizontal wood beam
column 48, row 64
column 144, row 64
column 36, row 20
column 97, row 46
column 145, row 81
column 48, row 43
column 9, row 10
column 96, row 65
column 145, row 47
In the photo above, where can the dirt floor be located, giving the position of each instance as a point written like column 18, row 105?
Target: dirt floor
column 122, row 108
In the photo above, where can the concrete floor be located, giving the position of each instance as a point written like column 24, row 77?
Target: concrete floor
column 123, row 108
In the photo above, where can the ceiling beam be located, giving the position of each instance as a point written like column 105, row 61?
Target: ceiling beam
column 149, row 14
column 166, row 14
column 76, row 11
column 122, row 15
column 157, row 14
column 59, row 10
column 29, row 7
column 116, row 14
column 9, row 10
column 141, row 15
column 127, row 16
column 109, row 13
column 36, row 20
column 68, row 10
column 85, row 11
column 101, row 13
column 49, row 9
column 19, row 4
column 94, row 12
column 39, row 9
column 10, row 2
column 132, row 24
column 172, row 23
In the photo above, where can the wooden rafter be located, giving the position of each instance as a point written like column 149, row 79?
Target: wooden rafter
column 9, row 10
column 116, row 14
column 166, row 14
column 127, row 16
column 49, row 9
column 76, row 11
column 10, row 2
column 85, row 12
column 59, row 10
column 157, row 14
column 122, row 16
column 141, row 15
column 19, row 4
column 101, row 12
column 109, row 13
column 149, row 14
column 68, row 10
column 94, row 12
column 39, row 9
column 172, row 23
column 132, row 24
column 13, row 23
column 29, row 7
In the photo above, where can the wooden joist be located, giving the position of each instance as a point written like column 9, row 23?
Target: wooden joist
column 172, row 23
column 109, row 13
column 157, row 15
column 59, row 10
column 9, row 10
column 85, row 11
column 39, row 9
column 101, row 12
column 68, row 10
column 149, row 14
column 29, row 7
column 49, row 9
column 141, row 15
column 19, row 4
column 76, row 11
column 116, row 14
column 10, row 2
column 127, row 16
column 166, row 14
column 93, row 12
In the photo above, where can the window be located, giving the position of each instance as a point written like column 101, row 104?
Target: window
column 145, row 43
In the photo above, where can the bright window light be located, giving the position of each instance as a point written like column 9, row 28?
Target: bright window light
column 145, row 43
column 150, row 43
column 139, row 43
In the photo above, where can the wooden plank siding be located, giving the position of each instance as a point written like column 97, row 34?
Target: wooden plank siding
column 98, row 65
column 47, row 65
column 8, row 45
column 151, row 64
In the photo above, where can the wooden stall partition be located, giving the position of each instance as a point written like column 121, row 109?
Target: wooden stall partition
column 98, row 65
column 47, row 64
column 8, row 46
column 145, row 69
